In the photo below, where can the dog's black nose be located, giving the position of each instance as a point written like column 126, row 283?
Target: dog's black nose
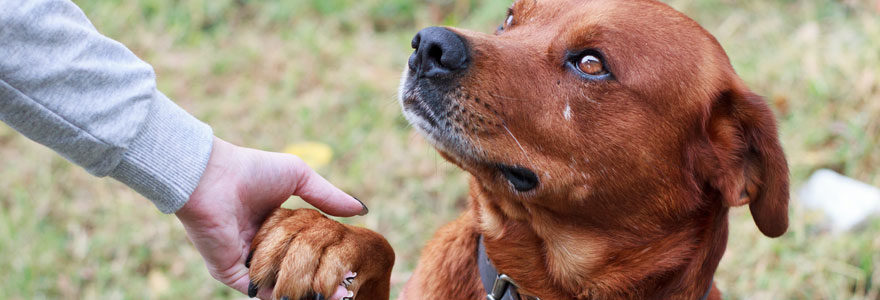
column 438, row 52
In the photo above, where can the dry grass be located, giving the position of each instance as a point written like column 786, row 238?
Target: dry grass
column 268, row 73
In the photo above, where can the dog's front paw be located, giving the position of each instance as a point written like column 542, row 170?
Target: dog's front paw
column 306, row 255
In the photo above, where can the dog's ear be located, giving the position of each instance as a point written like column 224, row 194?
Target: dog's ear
column 750, row 166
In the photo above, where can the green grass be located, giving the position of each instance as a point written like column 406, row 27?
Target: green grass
column 269, row 73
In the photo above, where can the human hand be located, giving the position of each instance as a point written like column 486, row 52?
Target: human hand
column 237, row 191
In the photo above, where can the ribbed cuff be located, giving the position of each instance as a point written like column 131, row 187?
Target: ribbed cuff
column 166, row 160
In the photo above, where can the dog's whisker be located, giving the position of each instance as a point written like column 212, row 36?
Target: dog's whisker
column 504, row 124
column 584, row 96
column 394, row 102
column 506, row 97
column 479, row 146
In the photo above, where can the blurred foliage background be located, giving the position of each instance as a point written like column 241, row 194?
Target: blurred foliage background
column 269, row 73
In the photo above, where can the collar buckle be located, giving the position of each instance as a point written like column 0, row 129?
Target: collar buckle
column 500, row 287
column 502, row 283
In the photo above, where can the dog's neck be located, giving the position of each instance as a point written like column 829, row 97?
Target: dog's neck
column 575, row 261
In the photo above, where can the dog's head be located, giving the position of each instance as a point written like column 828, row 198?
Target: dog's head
column 615, row 113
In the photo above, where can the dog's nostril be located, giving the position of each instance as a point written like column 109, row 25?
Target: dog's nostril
column 438, row 51
column 415, row 41
column 435, row 53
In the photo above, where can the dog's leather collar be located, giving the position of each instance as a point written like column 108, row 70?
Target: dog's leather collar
column 497, row 286
column 502, row 287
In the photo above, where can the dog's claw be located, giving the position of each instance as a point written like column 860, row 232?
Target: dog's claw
column 291, row 238
column 252, row 289
column 312, row 296
column 349, row 279
column 247, row 261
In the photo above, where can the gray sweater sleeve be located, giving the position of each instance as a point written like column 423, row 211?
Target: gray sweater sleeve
column 93, row 101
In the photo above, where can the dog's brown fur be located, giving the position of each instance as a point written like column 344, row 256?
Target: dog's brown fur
column 637, row 173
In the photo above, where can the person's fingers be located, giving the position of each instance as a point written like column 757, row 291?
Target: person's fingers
column 320, row 193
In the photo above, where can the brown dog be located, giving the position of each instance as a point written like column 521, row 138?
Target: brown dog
column 607, row 141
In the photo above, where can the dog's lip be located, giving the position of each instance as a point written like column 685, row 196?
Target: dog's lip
column 443, row 138
column 414, row 105
column 520, row 178
column 430, row 124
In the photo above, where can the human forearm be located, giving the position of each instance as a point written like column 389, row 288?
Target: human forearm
column 89, row 98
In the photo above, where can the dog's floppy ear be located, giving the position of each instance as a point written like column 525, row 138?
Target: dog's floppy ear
column 750, row 166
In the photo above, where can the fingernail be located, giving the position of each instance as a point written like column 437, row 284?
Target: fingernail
column 365, row 210
column 247, row 262
column 252, row 289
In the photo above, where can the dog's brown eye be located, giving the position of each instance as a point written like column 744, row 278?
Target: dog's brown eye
column 591, row 65
column 507, row 23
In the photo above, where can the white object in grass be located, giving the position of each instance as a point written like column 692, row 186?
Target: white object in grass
column 845, row 201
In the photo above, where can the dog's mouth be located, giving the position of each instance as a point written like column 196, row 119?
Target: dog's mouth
column 520, row 178
column 442, row 119
column 419, row 114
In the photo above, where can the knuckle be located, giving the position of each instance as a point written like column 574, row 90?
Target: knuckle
column 300, row 167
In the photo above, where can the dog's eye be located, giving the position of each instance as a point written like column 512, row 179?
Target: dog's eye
column 590, row 64
column 507, row 23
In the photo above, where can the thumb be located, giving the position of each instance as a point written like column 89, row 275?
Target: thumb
column 320, row 193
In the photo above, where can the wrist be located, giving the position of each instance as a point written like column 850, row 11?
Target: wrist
column 216, row 177
column 164, row 160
